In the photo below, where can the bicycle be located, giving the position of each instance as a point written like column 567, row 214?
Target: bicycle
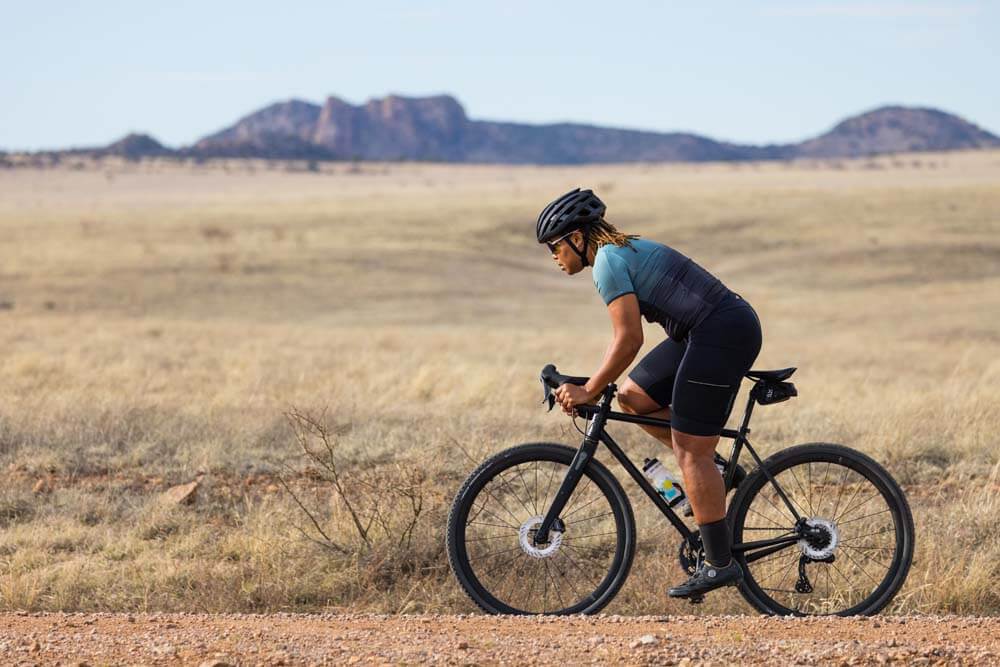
column 818, row 528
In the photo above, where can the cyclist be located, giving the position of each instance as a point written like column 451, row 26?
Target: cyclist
column 690, row 378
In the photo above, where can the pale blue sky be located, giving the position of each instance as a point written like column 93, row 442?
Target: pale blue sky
column 85, row 73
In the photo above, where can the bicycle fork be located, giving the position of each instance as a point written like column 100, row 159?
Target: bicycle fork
column 586, row 452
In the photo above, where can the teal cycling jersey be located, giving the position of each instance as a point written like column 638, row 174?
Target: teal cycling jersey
column 671, row 288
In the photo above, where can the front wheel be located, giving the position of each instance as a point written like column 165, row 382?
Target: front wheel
column 848, row 553
column 496, row 514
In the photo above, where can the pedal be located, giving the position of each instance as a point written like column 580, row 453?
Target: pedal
column 696, row 599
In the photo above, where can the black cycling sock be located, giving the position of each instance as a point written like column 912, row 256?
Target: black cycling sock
column 715, row 540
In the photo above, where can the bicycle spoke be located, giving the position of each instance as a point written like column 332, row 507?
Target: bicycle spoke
column 566, row 516
column 878, row 532
column 555, row 584
column 871, row 558
column 768, row 519
column 501, row 520
column 506, row 536
column 857, row 565
column 497, row 568
column 809, row 470
column 576, row 591
column 848, row 511
column 780, row 511
column 596, row 516
column 581, row 537
column 502, row 551
column 840, row 491
column 811, row 512
column 866, row 516
column 515, row 494
column 535, row 496
column 795, row 559
column 495, row 525
column 545, row 496
column 524, row 484
column 490, row 494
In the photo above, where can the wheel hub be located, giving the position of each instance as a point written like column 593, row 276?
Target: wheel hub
column 526, row 536
column 820, row 539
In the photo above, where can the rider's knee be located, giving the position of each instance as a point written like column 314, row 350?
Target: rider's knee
column 689, row 447
column 634, row 400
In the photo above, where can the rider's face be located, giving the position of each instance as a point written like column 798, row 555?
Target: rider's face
column 566, row 257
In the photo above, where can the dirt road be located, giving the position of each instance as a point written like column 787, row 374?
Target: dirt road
column 291, row 639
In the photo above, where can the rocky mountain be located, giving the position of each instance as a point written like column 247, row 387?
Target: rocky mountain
column 896, row 130
column 135, row 146
column 438, row 129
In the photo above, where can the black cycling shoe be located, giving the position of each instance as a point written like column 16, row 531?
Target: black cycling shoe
column 707, row 578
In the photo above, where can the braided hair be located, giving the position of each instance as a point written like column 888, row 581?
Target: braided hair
column 604, row 233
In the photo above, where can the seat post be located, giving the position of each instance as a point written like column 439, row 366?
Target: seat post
column 745, row 426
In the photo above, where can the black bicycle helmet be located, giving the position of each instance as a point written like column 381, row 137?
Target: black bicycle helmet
column 574, row 210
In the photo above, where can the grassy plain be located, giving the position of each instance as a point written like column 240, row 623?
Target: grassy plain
column 157, row 321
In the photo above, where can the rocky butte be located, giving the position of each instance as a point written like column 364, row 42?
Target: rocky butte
column 438, row 129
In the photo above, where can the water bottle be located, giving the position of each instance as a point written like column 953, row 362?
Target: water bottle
column 665, row 484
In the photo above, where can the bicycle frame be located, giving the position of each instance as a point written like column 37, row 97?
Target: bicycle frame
column 597, row 417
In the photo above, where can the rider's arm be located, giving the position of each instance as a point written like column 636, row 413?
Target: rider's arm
column 624, row 312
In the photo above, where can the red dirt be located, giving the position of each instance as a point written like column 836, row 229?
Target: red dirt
column 317, row 639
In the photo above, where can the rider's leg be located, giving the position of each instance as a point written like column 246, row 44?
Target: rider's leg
column 706, row 491
column 634, row 400
column 650, row 385
column 702, row 481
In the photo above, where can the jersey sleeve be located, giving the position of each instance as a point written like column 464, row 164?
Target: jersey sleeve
column 611, row 277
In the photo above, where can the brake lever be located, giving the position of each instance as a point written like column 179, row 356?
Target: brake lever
column 547, row 396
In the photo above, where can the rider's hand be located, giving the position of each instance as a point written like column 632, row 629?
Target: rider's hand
column 570, row 395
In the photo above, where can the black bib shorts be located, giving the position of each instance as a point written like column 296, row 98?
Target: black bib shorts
column 699, row 378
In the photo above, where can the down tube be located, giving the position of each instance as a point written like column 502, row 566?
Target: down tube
column 647, row 487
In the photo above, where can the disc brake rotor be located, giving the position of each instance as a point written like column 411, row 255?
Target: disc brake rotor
column 822, row 545
column 526, row 536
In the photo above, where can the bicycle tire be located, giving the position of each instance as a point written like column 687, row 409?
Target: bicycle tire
column 866, row 468
column 560, row 455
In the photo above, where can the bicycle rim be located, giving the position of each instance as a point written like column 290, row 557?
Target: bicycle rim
column 493, row 521
column 863, row 534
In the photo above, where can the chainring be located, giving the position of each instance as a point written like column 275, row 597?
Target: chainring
column 689, row 558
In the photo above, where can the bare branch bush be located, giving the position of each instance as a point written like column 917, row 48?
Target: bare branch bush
column 385, row 504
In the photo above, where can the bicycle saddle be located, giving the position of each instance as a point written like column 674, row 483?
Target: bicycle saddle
column 778, row 375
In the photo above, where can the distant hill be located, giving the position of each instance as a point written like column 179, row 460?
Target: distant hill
column 438, row 129
column 897, row 130
column 135, row 146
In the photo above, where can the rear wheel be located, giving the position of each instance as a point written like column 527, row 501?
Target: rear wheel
column 855, row 537
column 495, row 516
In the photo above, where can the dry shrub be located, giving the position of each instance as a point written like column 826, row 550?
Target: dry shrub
column 380, row 514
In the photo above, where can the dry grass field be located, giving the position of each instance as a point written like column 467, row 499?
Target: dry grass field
column 158, row 321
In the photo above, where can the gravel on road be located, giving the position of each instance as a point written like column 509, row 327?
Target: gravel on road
column 214, row 640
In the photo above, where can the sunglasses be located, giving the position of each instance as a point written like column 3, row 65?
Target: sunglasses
column 554, row 245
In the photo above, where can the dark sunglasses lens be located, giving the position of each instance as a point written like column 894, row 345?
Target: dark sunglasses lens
column 552, row 247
